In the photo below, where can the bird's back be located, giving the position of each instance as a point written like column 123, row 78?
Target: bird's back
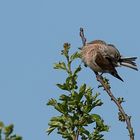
column 104, row 48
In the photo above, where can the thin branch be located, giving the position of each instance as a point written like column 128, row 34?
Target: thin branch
column 127, row 118
column 120, row 108
column 82, row 36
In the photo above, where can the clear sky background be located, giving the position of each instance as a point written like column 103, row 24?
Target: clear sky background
column 32, row 34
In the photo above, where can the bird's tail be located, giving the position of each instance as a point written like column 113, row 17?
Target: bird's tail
column 115, row 74
column 129, row 62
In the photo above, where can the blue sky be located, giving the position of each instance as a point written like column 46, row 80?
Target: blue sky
column 31, row 36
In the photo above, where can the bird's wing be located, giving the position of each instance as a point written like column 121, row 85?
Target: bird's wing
column 112, row 60
column 113, row 51
column 112, row 54
column 104, row 63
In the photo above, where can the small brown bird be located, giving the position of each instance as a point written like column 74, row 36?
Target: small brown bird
column 102, row 57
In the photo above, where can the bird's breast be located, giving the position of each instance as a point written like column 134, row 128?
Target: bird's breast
column 89, row 57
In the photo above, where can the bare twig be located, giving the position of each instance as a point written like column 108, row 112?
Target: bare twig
column 127, row 118
column 82, row 36
column 120, row 108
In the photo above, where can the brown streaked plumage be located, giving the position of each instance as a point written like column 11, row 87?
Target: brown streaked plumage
column 103, row 57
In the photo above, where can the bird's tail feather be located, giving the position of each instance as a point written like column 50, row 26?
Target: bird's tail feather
column 129, row 62
column 115, row 74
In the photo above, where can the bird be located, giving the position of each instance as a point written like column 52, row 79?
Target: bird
column 102, row 57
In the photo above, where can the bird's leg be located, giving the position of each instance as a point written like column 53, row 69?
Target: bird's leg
column 98, row 76
column 85, row 65
column 96, row 73
column 101, row 74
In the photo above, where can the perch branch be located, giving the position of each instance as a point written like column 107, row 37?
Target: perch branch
column 127, row 118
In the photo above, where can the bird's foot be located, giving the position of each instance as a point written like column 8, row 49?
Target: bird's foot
column 101, row 74
column 98, row 76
